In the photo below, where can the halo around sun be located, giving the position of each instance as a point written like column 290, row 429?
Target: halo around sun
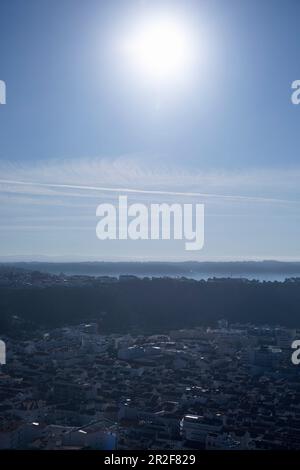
column 159, row 48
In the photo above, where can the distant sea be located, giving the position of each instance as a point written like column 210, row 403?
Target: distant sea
column 199, row 276
column 257, row 276
column 260, row 270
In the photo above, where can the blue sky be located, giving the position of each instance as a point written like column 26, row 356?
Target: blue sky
column 77, row 116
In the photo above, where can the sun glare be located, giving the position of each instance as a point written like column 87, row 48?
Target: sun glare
column 159, row 48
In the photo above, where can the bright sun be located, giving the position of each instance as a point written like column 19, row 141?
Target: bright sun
column 159, row 48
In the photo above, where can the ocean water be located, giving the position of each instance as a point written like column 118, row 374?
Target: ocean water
column 264, row 271
column 280, row 277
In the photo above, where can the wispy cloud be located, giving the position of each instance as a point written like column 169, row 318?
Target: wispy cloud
column 143, row 191
column 50, row 207
column 139, row 176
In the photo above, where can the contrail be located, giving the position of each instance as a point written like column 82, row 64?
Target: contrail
column 149, row 191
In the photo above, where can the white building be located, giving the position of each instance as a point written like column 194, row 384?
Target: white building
column 195, row 428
